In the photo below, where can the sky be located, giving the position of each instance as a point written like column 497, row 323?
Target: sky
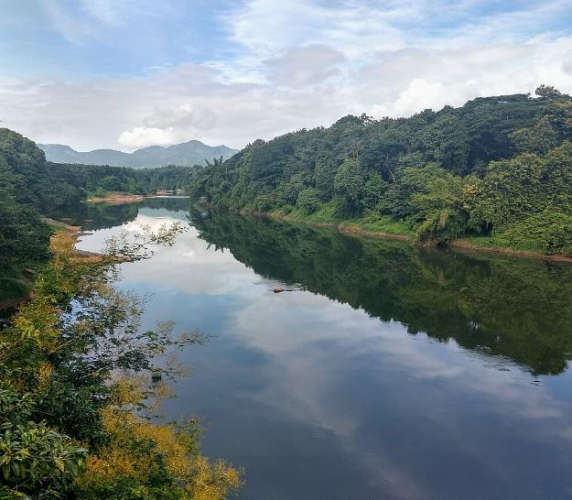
column 126, row 74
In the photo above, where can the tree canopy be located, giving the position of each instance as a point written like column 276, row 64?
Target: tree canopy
column 476, row 170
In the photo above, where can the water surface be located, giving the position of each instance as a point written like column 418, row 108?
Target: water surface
column 384, row 372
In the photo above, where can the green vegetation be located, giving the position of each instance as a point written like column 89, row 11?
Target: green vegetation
column 30, row 186
column 68, row 426
column 24, row 237
column 75, row 368
column 97, row 180
column 515, row 308
column 498, row 168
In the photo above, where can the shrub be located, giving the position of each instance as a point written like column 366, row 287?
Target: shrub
column 308, row 200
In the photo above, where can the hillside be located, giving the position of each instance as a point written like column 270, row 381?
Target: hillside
column 186, row 154
column 498, row 170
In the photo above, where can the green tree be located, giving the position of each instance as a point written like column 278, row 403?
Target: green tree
column 348, row 187
column 308, row 200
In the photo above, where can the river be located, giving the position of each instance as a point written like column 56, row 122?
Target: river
column 383, row 371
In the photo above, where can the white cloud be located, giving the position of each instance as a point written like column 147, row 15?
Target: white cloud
column 419, row 90
column 305, row 66
column 298, row 64
column 140, row 137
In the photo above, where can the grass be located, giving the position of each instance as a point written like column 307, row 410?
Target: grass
column 326, row 214
column 503, row 241
column 382, row 224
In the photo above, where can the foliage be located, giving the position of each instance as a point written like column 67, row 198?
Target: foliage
column 24, row 237
column 96, row 180
column 149, row 461
column 30, row 186
column 348, row 186
column 468, row 171
column 547, row 232
column 67, row 427
column 34, row 459
column 308, row 200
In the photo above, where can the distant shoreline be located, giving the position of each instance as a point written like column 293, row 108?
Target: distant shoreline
column 120, row 198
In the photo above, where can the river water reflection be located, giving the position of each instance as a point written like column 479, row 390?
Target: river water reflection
column 385, row 372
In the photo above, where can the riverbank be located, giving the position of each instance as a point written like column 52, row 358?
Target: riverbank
column 384, row 227
column 121, row 198
column 63, row 242
column 75, row 366
column 15, row 289
column 345, row 227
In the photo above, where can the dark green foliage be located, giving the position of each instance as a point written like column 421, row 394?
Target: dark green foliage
column 308, row 200
column 31, row 180
column 348, row 187
column 99, row 180
column 525, row 185
column 24, row 237
column 548, row 232
column 33, row 457
column 467, row 171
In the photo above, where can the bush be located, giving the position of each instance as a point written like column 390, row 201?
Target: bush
column 264, row 203
column 308, row 200
column 548, row 232
column 35, row 458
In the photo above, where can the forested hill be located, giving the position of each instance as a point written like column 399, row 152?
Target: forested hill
column 186, row 154
column 30, row 186
column 498, row 168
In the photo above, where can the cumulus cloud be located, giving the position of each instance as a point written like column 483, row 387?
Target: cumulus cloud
column 305, row 65
column 290, row 65
column 185, row 115
column 140, row 137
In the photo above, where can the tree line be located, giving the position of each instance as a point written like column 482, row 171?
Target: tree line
column 498, row 168
column 98, row 180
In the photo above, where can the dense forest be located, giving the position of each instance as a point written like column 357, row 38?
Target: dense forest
column 498, row 169
column 97, row 180
column 27, row 188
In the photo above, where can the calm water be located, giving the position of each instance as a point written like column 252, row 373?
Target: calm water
column 387, row 372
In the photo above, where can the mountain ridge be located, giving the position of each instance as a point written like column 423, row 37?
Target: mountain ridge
column 186, row 154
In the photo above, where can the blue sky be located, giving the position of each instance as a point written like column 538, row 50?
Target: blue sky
column 130, row 73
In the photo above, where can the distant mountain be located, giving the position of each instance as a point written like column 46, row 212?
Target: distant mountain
column 185, row 154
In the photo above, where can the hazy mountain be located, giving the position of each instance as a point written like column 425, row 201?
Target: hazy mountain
column 185, row 154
